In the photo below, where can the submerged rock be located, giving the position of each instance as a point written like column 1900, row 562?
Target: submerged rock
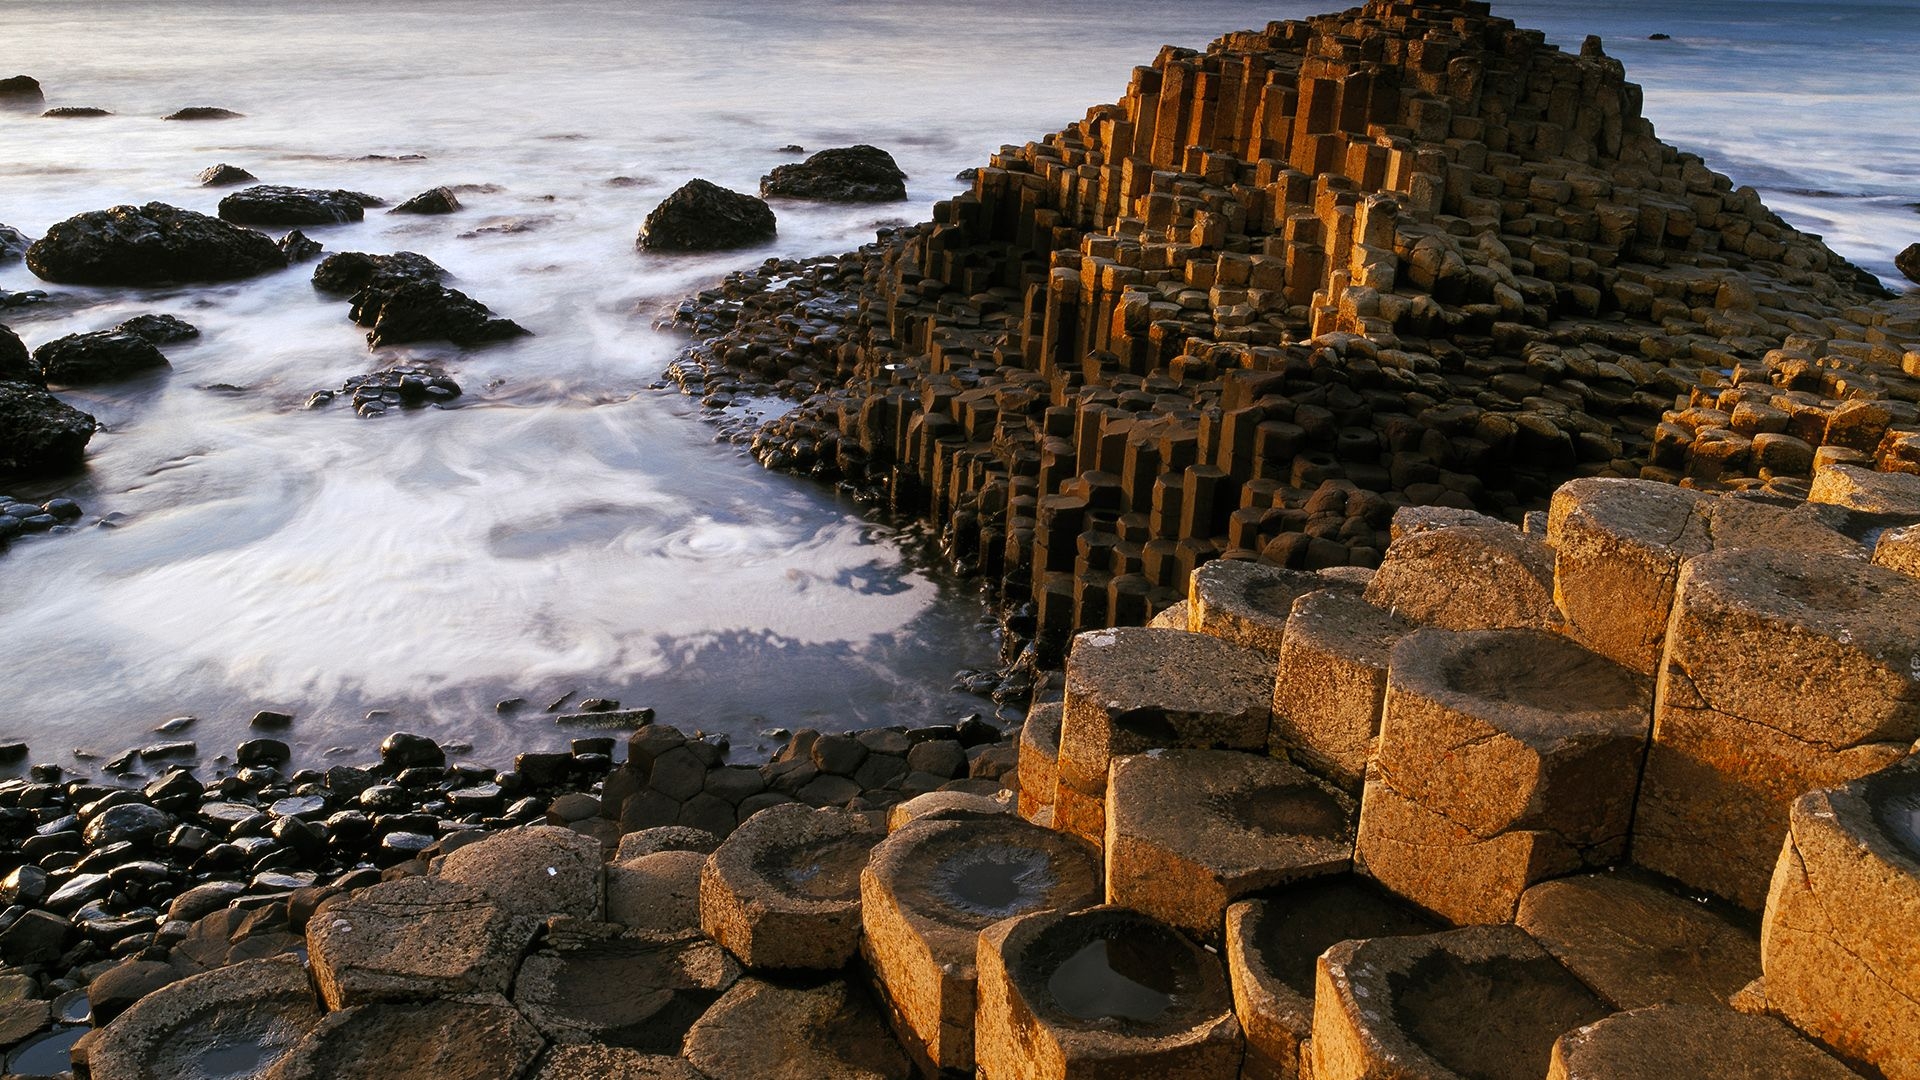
column 704, row 216
column 159, row 329
column 203, row 112
column 145, row 245
column 438, row 200
column 845, row 174
column 40, row 435
column 102, row 356
column 276, row 204
column 13, row 243
column 74, row 112
column 21, row 91
column 224, row 175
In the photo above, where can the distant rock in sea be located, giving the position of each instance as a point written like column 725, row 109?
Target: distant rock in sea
column 224, row 175
column 204, row 112
column 845, row 174
column 21, row 91
column 703, row 216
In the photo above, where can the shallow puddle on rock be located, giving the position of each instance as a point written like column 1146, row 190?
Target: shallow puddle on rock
column 996, row 883
column 46, row 1055
column 1102, row 981
column 1900, row 816
column 238, row 1061
column 831, row 872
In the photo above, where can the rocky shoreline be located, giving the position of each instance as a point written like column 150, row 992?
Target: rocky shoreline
column 1461, row 556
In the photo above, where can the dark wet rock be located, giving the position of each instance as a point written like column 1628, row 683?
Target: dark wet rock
column 99, row 357
column 271, row 719
column 159, row 329
column 74, row 112
column 845, row 174
column 16, row 364
column 276, row 204
column 438, row 200
column 404, row 750
column 39, row 434
column 1659, row 37
column 704, row 216
column 13, row 243
column 224, row 175
column 21, row 299
column 24, row 885
column 133, row 823
column 297, row 247
column 264, row 752
column 21, row 91
column 426, row 311
column 351, row 271
column 390, row 387
column 145, row 245
column 1908, row 262
column 203, row 112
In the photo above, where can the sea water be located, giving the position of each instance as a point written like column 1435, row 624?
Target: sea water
column 569, row 527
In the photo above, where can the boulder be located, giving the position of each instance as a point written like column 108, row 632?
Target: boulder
column 768, row 1031
column 13, row 243
column 203, row 112
column 224, row 175
column 21, row 92
column 438, row 200
column 276, row 204
column 704, row 216
column 351, row 271
column 425, row 311
column 845, row 174
column 148, row 245
column 297, row 247
column 39, row 434
column 16, row 364
column 1908, row 262
column 100, row 357
column 158, row 329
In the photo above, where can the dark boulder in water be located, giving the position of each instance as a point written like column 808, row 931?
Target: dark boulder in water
column 703, row 216
column 16, row 365
column 845, row 174
column 275, row 204
column 74, row 112
column 1908, row 262
column 159, row 329
column 351, row 271
column 203, row 112
column 13, row 243
column 427, row 311
column 40, row 435
column 146, row 245
column 224, row 175
column 297, row 247
column 102, row 356
column 21, row 91
column 438, row 200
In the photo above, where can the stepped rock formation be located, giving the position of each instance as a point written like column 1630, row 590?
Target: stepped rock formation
column 1406, row 254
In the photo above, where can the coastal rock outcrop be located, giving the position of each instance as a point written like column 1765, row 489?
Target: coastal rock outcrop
column 98, row 357
column 859, row 173
column 40, row 435
column 277, row 204
column 224, row 175
column 438, row 200
column 21, row 92
column 703, row 216
column 150, row 245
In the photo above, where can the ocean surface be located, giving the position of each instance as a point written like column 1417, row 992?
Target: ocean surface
column 567, row 528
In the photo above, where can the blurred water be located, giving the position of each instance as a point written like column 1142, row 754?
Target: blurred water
column 567, row 528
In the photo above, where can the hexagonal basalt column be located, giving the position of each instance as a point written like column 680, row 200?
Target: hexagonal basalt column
column 1784, row 672
column 1468, row 577
column 1272, row 947
column 1618, row 545
column 1636, row 943
column 413, row 938
column 235, row 1020
column 1101, row 994
column 1246, row 603
column 784, row 890
column 929, row 890
column 1039, row 762
column 1332, row 682
column 641, row 991
column 1135, row 689
column 1665, row 1042
column 1486, row 1001
column 1837, row 946
column 1191, row 831
column 1495, row 734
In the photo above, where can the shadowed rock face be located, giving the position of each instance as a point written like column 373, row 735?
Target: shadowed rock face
column 104, row 356
column 40, row 435
column 1496, row 1018
column 150, row 245
column 704, row 216
column 850, row 174
column 21, row 92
